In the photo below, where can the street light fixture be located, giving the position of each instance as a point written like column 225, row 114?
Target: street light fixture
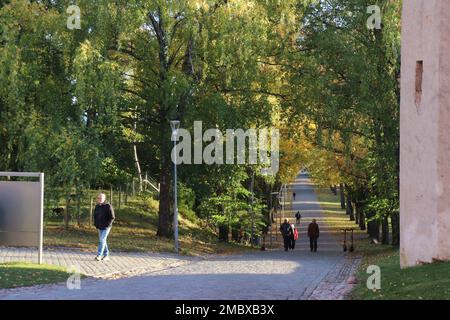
column 271, row 218
column 175, row 125
column 282, row 198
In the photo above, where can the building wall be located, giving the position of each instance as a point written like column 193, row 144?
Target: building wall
column 443, row 210
column 423, row 180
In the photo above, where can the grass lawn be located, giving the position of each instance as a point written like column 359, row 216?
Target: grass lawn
column 21, row 274
column 431, row 281
column 335, row 217
column 135, row 230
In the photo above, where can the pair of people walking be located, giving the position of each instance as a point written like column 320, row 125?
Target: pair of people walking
column 290, row 235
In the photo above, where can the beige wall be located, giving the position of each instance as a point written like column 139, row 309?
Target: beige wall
column 425, row 133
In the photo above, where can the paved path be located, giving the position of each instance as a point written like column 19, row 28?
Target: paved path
column 306, row 202
column 121, row 263
column 272, row 274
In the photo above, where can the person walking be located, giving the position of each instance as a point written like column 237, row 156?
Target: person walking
column 298, row 216
column 103, row 220
column 294, row 194
column 313, row 234
column 294, row 236
column 286, row 231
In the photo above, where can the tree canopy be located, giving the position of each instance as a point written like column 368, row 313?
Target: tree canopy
column 92, row 106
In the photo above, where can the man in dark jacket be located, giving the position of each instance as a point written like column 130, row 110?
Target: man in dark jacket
column 298, row 216
column 103, row 219
column 287, row 232
column 313, row 234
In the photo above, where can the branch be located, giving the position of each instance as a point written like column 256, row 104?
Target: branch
column 175, row 26
column 278, row 95
column 174, row 55
column 135, row 93
column 127, row 52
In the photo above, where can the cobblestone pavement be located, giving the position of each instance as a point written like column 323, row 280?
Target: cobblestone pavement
column 337, row 283
column 121, row 263
column 272, row 274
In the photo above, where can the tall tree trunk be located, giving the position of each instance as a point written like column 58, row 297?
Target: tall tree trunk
column 349, row 209
column 138, row 166
column 341, row 191
column 77, row 192
column 395, row 224
column 373, row 226
column 120, row 197
column 333, row 189
column 235, row 234
column 136, row 159
column 223, row 233
column 356, row 214
column 91, row 207
column 362, row 219
column 360, row 215
column 165, row 212
column 385, row 230
column 66, row 214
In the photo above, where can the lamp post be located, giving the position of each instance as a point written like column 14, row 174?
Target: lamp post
column 284, row 200
column 280, row 201
column 252, row 233
column 175, row 125
column 271, row 217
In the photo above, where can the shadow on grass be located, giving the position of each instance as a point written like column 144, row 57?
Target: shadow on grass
column 13, row 275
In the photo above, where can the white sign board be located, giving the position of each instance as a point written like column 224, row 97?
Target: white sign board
column 21, row 211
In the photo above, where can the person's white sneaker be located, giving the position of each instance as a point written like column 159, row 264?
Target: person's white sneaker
column 105, row 258
column 98, row 258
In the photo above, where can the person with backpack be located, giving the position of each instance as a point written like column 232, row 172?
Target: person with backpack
column 298, row 216
column 286, row 231
column 294, row 236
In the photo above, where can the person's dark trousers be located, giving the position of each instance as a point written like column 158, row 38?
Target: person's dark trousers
column 313, row 244
column 292, row 243
column 287, row 243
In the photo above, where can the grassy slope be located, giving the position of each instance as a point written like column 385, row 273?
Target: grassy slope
column 423, row 282
column 135, row 230
column 14, row 275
